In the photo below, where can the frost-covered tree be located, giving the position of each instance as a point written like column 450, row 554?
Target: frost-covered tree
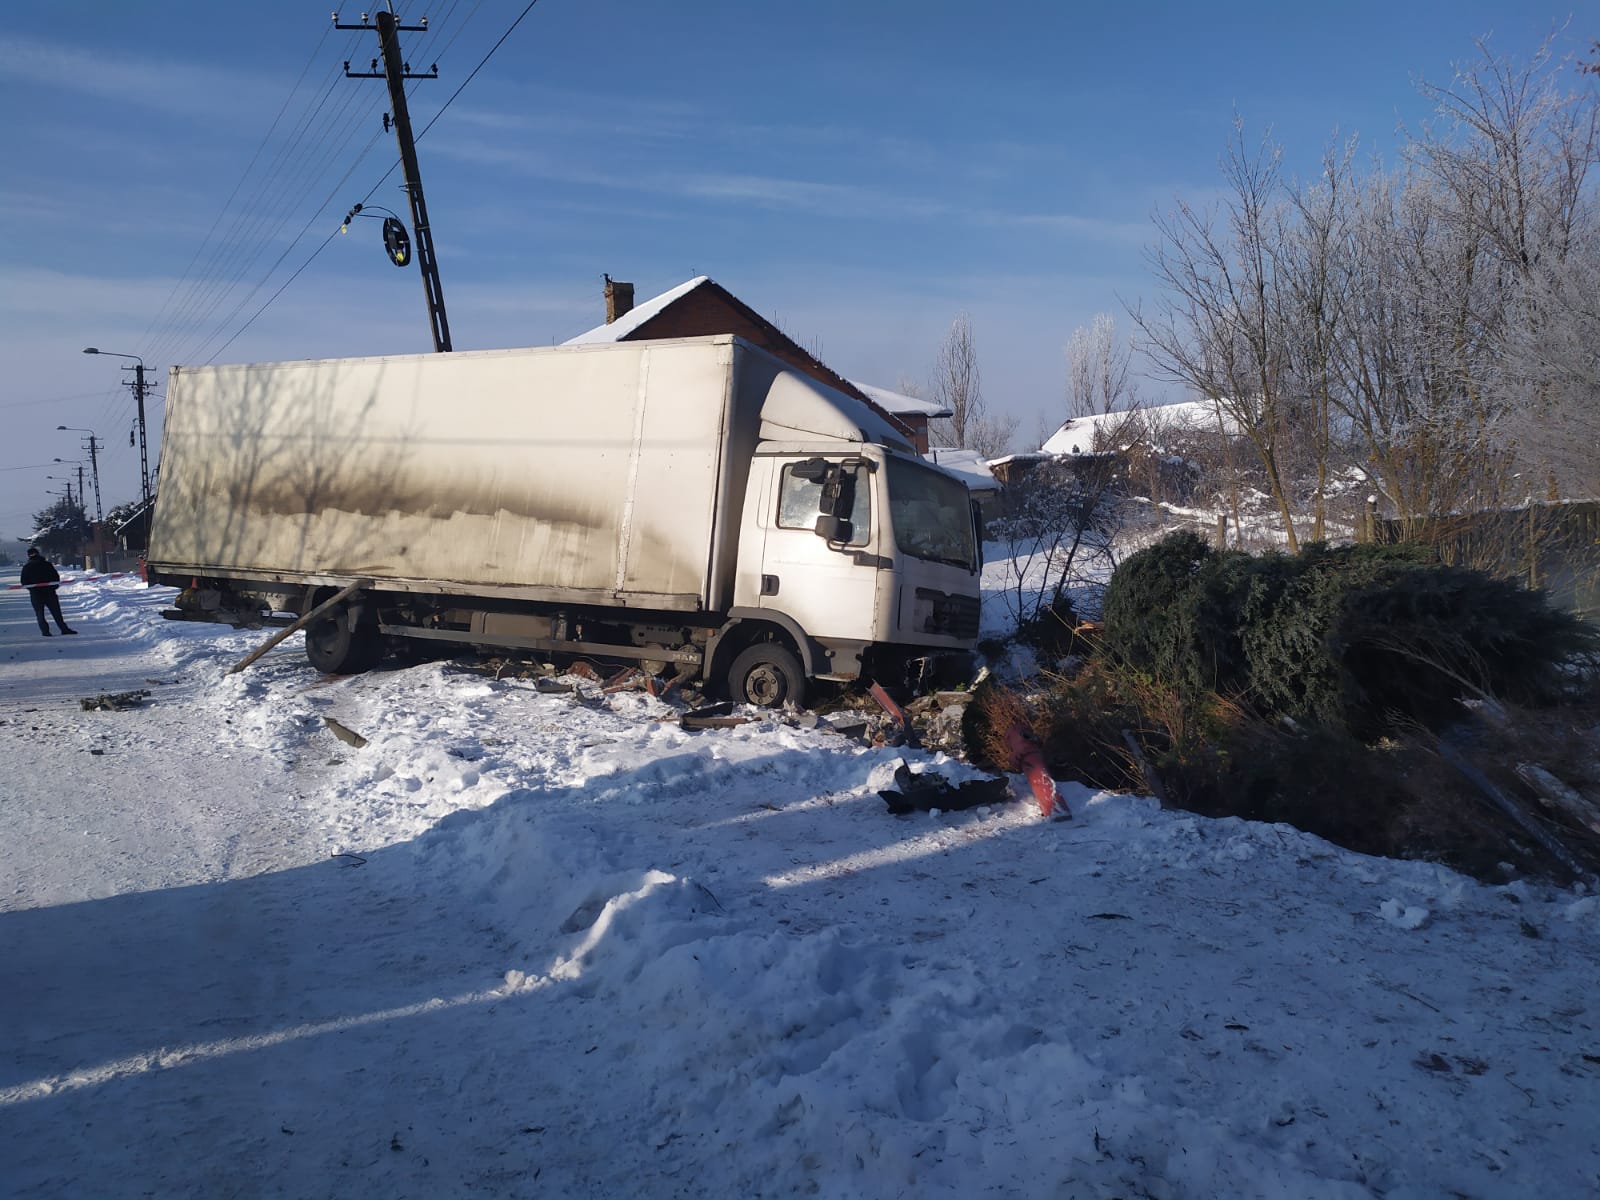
column 1439, row 317
column 1099, row 369
column 1219, row 327
column 957, row 385
column 61, row 530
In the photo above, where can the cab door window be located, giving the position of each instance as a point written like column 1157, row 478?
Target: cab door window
column 800, row 503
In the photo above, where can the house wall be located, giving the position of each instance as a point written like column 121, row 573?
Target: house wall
column 707, row 310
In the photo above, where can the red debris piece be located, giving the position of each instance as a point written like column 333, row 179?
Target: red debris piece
column 1027, row 756
column 907, row 735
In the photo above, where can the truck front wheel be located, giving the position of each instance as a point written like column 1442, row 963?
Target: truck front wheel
column 767, row 674
column 333, row 648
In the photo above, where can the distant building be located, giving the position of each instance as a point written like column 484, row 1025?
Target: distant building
column 702, row 307
column 1153, row 425
column 975, row 473
column 915, row 413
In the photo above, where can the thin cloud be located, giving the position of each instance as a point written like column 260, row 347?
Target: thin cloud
column 170, row 87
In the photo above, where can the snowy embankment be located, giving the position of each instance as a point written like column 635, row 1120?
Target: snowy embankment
column 528, row 944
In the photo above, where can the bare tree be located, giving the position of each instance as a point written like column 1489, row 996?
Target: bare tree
column 1557, row 360
column 1060, row 528
column 958, row 386
column 1314, row 265
column 1417, row 351
column 1098, row 376
column 1512, row 150
column 1219, row 327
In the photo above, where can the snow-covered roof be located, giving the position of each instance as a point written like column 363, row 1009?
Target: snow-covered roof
column 629, row 321
column 1021, row 456
column 968, row 464
column 902, row 405
column 1077, row 436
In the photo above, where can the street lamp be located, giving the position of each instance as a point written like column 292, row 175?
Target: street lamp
column 139, row 389
column 75, row 462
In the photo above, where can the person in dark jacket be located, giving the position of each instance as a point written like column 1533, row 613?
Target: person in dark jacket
column 41, row 580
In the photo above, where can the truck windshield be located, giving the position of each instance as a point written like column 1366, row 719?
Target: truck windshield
column 931, row 514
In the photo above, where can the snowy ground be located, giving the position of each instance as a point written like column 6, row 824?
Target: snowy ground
column 552, row 945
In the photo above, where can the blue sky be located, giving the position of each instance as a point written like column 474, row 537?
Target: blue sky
column 859, row 172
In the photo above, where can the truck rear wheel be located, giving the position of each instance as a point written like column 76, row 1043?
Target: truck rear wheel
column 333, row 648
column 767, row 674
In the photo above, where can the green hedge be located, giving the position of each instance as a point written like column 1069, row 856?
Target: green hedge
column 1353, row 637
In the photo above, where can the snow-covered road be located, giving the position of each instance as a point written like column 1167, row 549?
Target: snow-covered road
column 522, row 944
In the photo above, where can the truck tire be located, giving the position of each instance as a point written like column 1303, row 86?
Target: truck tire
column 767, row 674
column 333, row 648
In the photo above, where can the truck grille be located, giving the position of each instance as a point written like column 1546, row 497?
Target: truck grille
column 952, row 616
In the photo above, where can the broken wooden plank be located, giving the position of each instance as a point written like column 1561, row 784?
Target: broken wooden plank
column 344, row 733
column 297, row 625
column 692, row 723
column 1552, row 793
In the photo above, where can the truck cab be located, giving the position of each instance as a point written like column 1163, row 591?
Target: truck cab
column 867, row 556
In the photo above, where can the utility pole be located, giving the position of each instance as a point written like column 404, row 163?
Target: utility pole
column 94, row 473
column 139, row 387
column 396, row 70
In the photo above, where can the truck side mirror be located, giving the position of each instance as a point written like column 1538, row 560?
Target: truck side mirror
column 812, row 470
column 839, row 493
column 834, row 529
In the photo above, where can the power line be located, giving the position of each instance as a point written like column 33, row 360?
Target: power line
column 254, row 158
column 370, row 193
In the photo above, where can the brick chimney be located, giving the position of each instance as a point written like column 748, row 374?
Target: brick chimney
column 619, row 299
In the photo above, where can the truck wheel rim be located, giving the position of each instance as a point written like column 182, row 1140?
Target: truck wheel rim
column 764, row 686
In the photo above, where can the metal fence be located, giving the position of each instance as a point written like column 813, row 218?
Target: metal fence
column 1554, row 546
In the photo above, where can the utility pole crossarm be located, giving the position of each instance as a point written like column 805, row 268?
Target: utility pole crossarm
column 396, row 71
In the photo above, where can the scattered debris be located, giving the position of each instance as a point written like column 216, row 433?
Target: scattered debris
column 1027, row 756
column 907, row 735
column 712, row 716
column 1152, row 780
column 693, row 723
column 344, row 733
column 1554, row 794
column 925, row 791
column 115, row 701
column 846, row 725
column 1542, row 833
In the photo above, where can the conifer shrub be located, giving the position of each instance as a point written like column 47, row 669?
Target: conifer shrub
column 1355, row 638
column 1144, row 607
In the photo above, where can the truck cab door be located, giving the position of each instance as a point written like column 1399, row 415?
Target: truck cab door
column 820, row 561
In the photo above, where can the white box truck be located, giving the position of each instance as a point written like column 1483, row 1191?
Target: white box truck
column 693, row 503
